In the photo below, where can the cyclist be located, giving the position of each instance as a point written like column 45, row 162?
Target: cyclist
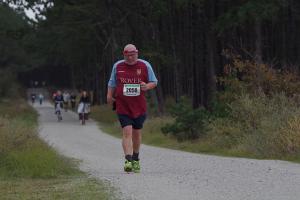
column 58, row 102
column 54, row 95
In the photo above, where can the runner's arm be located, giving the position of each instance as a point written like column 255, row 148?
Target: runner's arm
column 110, row 94
column 112, row 83
column 152, row 80
column 148, row 86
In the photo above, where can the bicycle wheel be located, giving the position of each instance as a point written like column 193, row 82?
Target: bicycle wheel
column 59, row 117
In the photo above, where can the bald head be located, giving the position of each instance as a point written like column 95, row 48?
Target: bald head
column 130, row 48
column 130, row 54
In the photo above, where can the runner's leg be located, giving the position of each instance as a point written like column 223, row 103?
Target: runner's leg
column 137, row 135
column 127, row 140
column 136, row 140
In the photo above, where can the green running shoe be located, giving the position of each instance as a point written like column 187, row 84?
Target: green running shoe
column 136, row 166
column 128, row 166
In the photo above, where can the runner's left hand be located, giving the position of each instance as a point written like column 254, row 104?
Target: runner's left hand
column 144, row 86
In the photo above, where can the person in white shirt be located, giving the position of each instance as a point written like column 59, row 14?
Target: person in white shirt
column 66, row 97
column 41, row 98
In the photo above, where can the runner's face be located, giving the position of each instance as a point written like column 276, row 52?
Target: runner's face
column 131, row 57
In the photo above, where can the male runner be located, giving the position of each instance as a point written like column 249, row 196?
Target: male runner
column 130, row 79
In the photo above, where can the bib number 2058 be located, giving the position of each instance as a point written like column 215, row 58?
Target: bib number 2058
column 131, row 90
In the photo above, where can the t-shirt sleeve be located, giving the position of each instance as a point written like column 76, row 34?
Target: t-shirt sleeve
column 112, row 81
column 151, row 75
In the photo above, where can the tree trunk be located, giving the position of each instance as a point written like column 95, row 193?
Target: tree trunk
column 177, row 82
column 211, row 51
column 258, row 41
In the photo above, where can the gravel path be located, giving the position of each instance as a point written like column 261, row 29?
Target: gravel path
column 168, row 174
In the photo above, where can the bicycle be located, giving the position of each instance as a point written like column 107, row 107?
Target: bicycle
column 66, row 105
column 58, row 108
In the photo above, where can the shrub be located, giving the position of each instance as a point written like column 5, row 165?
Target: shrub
column 8, row 86
column 259, row 125
column 189, row 124
column 248, row 76
column 289, row 139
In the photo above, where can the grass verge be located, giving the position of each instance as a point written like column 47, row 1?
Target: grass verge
column 30, row 169
column 152, row 135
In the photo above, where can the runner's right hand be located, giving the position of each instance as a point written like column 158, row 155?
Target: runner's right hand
column 110, row 100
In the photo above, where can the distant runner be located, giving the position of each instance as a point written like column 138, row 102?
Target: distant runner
column 41, row 98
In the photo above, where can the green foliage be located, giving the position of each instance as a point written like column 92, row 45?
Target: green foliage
column 39, row 162
column 9, row 88
column 257, row 114
column 170, row 103
column 253, row 126
column 104, row 114
column 9, row 20
column 219, row 108
column 189, row 123
column 263, row 111
column 73, row 36
column 181, row 4
column 29, row 169
column 13, row 27
column 22, row 153
column 66, row 188
column 247, row 12
column 259, row 125
column 5, row 83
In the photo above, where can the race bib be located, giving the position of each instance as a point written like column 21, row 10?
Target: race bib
column 131, row 90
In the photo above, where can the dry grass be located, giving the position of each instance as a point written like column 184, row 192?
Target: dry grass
column 257, row 128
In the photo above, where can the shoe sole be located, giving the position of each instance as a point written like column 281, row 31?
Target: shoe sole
column 128, row 170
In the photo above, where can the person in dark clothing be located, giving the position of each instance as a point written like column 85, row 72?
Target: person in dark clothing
column 84, row 106
column 33, row 97
column 84, row 97
column 73, row 100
